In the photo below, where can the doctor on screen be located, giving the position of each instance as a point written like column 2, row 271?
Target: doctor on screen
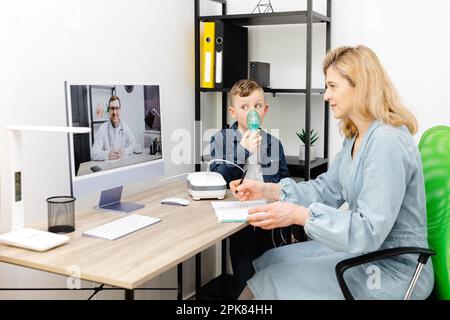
column 114, row 139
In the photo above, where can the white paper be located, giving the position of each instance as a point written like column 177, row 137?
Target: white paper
column 234, row 211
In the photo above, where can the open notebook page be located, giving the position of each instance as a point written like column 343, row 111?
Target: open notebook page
column 234, row 211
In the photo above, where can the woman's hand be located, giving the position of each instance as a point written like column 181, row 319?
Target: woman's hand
column 277, row 215
column 248, row 190
column 253, row 190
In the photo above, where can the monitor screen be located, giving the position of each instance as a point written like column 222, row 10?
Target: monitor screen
column 125, row 138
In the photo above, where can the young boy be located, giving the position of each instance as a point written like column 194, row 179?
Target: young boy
column 263, row 157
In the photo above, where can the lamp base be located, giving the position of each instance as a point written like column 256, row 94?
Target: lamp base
column 33, row 239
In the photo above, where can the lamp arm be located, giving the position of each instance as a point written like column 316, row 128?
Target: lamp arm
column 15, row 201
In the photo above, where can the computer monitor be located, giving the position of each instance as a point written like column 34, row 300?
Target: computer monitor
column 125, row 143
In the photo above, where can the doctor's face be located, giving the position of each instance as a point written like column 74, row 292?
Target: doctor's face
column 114, row 112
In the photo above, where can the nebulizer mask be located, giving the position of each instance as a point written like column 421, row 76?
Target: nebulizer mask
column 253, row 120
column 253, row 126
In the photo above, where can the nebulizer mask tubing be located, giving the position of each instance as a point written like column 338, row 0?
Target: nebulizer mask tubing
column 253, row 125
column 224, row 161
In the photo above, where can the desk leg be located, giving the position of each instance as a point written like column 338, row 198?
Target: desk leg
column 180, row 281
column 129, row 294
column 198, row 272
column 224, row 256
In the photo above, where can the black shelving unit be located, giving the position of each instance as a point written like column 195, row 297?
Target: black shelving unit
column 268, row 90
column 305, row 169
column 267, row 19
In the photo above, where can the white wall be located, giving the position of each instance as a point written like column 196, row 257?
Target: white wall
column 411, row 39
column 45, row 43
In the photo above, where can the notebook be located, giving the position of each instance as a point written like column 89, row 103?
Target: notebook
column 234, row 211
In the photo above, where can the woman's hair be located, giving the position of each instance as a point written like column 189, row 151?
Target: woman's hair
column 375, row 95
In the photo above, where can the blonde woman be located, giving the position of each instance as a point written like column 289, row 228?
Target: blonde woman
column 378, row 172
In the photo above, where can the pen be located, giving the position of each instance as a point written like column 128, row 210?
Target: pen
column 242, row 179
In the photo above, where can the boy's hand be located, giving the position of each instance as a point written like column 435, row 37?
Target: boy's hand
column 251, row 140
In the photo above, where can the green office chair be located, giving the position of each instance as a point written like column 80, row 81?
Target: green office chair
column 435, row 151
column 434, row 148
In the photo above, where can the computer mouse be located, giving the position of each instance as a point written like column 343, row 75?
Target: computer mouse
column 176, row 201
column 95, row 168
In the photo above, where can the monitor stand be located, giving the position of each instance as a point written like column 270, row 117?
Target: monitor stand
column 110, row 201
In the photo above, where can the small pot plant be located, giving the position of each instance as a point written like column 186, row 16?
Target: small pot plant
column 314, row 136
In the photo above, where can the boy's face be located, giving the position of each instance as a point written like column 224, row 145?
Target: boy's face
column 240, row 106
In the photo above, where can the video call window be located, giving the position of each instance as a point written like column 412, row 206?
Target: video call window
column 125, row 122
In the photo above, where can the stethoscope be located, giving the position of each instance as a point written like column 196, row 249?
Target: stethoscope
column 111, row 143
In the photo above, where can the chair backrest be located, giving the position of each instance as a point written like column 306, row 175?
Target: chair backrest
column 434, row 148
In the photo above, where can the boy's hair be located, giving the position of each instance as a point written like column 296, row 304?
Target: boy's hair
column 244, row 88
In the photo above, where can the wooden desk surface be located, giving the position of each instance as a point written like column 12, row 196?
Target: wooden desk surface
column 134, row 259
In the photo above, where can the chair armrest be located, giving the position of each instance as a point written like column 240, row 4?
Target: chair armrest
column 342, row 266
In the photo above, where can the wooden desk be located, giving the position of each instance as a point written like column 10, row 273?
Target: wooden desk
column 134, row 259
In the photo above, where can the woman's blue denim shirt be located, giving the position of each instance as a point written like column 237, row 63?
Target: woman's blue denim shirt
column 383, row 186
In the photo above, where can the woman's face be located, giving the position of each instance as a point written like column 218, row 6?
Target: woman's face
column 339, row 94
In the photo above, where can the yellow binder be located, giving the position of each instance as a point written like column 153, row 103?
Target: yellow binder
column 207, row 55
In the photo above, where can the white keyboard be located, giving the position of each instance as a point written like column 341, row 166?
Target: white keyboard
column 121, row 227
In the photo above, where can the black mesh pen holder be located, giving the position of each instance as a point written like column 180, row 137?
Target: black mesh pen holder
column 61, row 214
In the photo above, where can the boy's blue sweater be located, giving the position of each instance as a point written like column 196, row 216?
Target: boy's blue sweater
column 225, row 144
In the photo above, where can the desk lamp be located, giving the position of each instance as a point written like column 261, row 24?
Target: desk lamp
column 19, row 236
